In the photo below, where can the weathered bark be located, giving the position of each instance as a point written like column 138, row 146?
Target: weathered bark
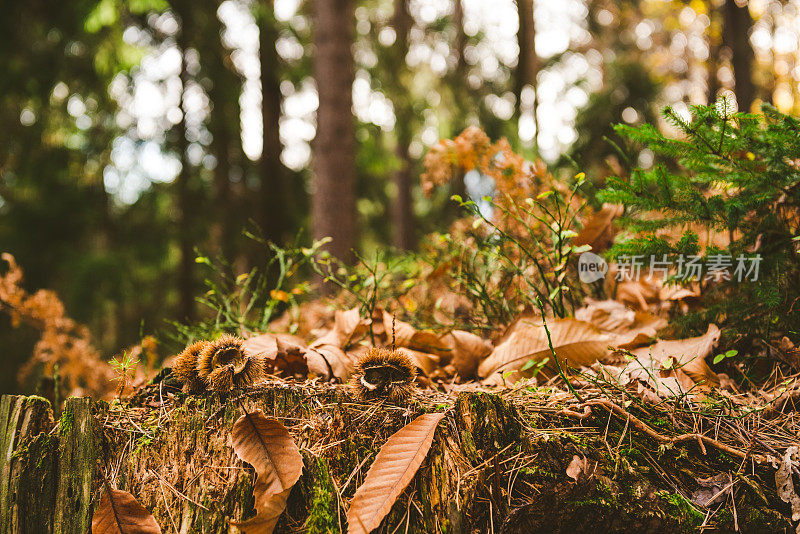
column 494, row 466
column 736, row 36
column 333, row 210
column 47, row 479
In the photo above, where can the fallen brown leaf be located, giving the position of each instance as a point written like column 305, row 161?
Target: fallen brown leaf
column 785, row 485
column 598, row 231
column 265, row 444
column 576, row 344
column 407, row 336
column 687, row 355
column 330, row 361
column 348, row 326
column 269, row 511
column 468, row 350
column 578, row 468
column 281, row 353
column 390, row 473
column 120, row 513
column 425, row 362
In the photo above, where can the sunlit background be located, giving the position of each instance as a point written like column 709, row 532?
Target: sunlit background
column 106, row 105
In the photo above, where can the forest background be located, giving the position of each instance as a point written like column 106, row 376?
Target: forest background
column 140, row 135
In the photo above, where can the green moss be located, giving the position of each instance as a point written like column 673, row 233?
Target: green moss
column 680, row 509
column 323, row 511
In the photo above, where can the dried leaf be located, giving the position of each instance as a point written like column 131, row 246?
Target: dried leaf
column 425, row 362
column 347, row 327
column 390, row 473
column 468, row 350
column 120, row 513
column 269, row 509
column 407, row 336
column 330, row 361
column 281, row 353
column 688, row 355
column 577, row 467
column 576, row 344
column 265, row 444
column 785, row 485
column 598, row 231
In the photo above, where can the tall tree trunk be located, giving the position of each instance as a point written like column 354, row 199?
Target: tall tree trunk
column 460, row 85
column 528, row 62
column 333, row 199
column 402, row 207
column 274, row 175
column 183, row 186
column 226, row 143
column 736, row 36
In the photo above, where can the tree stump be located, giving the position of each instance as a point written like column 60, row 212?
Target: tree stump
column 494, row 466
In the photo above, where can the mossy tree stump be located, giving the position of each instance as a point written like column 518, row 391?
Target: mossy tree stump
column 492, row 467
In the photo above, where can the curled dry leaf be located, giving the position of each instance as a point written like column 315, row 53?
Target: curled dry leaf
column 269, row 509
column 120, row 513
column 468, row 350
column 390, row 473
column 348, row 326
column 330, row 361
column 686, row 355
column 281, row 353
column 578, row 468
column 425, row 362
column 576, row 344
column 631, row 329
column 265, row 444
column 409, row 337
column 598, row 230
column 785, row 485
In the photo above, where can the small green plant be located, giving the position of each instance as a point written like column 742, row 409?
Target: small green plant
column 239, row 304
column 729, row 354
column 123, row 365
column 731, row 176
column 524, row 260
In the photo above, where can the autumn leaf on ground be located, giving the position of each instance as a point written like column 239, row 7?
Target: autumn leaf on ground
column 576, row 343
column 280, row 352
column 120, row 513
column 785, row 485
column 631, row 329
column 265, row 444
column 686, row 355
column 468, row 351
column 330, row 361
column 390, row 473
column 598, row 230
column 347, row 327
column 409, row 337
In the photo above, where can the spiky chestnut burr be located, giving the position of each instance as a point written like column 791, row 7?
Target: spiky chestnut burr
column 223, row 365
column 185, row 368
column 384, row 374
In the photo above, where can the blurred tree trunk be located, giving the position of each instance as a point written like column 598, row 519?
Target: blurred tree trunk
column 736, row 36
column 528, row 62
column 182, row 182
column 402, row 207
column 226, row 144
column 459, row 84
column 274, row 175
column 333, row 198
